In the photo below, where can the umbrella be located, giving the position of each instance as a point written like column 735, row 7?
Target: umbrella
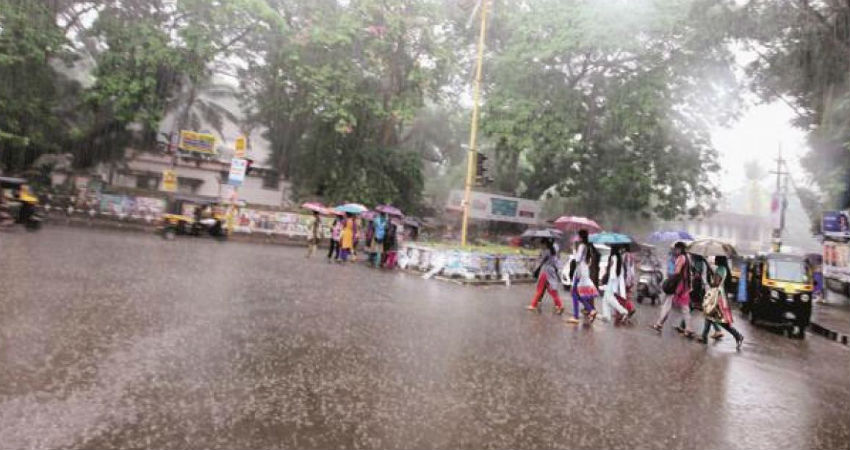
column 369, row 215
column 610, row 239
column 390, row 210
column 669, row 235
column 315, row 207
column 547, row 233
column 412, row 222
column 352, row 208
column 572, row 223
column 712, row 247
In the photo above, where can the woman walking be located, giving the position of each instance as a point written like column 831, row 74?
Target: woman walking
column 583, row 290
column 547, row 280
column 680, row 300
column 716, row 306
column 614, row 287
column 336, row 231
column 347, row 237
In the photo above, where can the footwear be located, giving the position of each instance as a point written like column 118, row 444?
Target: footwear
column 559, row 311
column 689, row 334
column 591, row 317
column 702, row 340
column 532, row 308
column 679, row 329
column 656, row 327
column 572, row 321
column 739, row 342
column 717, row 335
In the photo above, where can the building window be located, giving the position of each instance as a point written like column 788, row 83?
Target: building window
column 188, row 185
column 271, row 180
column 148, row 182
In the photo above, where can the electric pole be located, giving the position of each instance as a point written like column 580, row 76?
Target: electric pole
column 779, row 203
column 473, row 129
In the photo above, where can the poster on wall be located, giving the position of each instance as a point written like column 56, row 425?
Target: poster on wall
column 485, row 206
column 836, row 224
column 836, row 261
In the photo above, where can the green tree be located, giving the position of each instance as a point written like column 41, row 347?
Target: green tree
column 30, row 90
column 803, row 58
column 607, row 106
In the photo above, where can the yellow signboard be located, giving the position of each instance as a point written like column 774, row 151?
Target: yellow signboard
column 169, row 181
column 192, row 141
column 241, row 145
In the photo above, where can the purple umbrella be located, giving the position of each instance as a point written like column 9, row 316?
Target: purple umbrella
column 390, row 210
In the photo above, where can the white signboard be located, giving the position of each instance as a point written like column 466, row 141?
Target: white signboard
column 237, row 171
column 486, row 206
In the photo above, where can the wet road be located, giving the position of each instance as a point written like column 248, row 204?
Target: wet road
column 122, row 340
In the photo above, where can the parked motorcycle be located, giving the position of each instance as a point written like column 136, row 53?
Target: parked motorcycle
column 649, row 283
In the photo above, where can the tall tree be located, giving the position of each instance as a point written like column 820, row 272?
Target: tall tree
column 607, row 105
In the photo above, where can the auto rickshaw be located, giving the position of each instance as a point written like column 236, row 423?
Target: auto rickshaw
column 18, row 205
column 188, row 215
column 782, row 289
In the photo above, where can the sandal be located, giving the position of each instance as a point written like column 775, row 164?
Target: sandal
column 532, row 308
column 591, row 317
column 559, row 311
column 702, row 340
column 717, row 335
column 572, row 321
column 689, row 334
column 656, row 327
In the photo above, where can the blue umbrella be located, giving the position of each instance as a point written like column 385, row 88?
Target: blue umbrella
column 610, row 239
column 669, row 236
column 352, row 208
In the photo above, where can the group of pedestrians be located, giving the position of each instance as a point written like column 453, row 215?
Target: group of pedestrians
column 378, row 237
column 690, row 276
column 618, row 281
column 684, row 282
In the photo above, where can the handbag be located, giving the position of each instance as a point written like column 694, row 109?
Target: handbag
column 669, row 285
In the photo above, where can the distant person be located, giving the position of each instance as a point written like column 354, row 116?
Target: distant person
column 680, row 300
column 347, row 237
column 843, row 225
column 313, row 239
column 336, row 231
column 390, row 246
column 379, row 226
column 583, row 289
column 716, row 306
column 547, row 277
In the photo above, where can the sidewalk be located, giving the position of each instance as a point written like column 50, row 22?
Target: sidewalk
column 831, row 321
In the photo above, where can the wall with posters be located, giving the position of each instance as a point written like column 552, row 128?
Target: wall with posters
column 836, row 261
column 484, row 206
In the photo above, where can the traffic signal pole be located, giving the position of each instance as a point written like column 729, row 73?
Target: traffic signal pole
column 473, row 132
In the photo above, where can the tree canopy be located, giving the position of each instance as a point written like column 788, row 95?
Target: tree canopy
column 606, row 104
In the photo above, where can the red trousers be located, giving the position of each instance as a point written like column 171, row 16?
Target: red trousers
column 543, row 285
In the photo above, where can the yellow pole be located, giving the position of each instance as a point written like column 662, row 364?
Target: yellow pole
column 473, row 131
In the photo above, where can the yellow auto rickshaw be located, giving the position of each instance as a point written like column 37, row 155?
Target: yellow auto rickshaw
column 192, row 215
column 782, row 289
column 18, row 205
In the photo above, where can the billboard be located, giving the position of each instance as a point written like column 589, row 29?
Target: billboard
column 484, row 206
column 192, row 141
column 836, row 224
column 237, row 171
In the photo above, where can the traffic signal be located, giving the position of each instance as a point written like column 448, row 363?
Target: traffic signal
column 481, row 177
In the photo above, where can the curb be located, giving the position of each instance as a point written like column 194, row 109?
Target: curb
column 816, row 328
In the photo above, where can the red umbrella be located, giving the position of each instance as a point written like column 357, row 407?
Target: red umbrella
column 573, row 223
